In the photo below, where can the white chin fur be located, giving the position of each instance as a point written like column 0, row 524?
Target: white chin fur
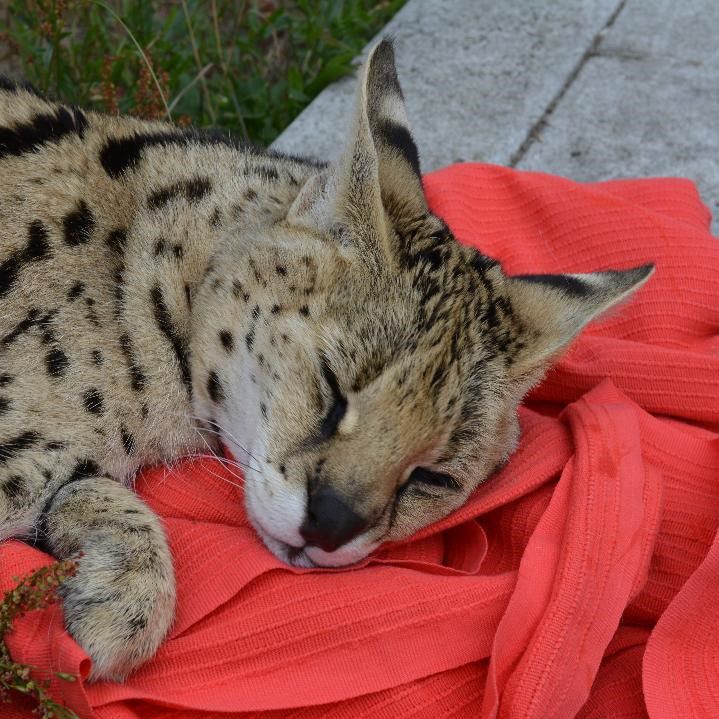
column 273, row 507
column 350, row 553
column 277, row 510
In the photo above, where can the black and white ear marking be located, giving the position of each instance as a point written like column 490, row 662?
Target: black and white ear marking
column 386, row 109
column 555, row 308
column 379, row 171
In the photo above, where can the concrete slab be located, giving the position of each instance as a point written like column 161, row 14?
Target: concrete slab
column 646, row 103
column 477, row 75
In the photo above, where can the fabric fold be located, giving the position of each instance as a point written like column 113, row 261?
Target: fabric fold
column 580, row 580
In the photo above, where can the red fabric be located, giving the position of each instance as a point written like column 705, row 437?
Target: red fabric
column 580, row 581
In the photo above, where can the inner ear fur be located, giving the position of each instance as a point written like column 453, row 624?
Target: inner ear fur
column 554, row 308
column 378, row 172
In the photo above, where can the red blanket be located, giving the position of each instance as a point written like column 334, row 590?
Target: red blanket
column 583, row 580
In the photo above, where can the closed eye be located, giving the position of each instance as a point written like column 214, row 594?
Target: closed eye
column 432, row 478
column 338, row 404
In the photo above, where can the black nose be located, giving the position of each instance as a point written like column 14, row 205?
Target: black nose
column 330, row 523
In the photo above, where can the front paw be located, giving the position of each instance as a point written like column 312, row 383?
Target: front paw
column 119, row 608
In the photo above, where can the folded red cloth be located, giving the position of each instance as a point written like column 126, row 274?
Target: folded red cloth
column 580, row 581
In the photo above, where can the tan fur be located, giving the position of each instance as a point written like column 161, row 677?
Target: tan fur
column 161, row 291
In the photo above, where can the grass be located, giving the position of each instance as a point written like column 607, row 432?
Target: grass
column 249, row 66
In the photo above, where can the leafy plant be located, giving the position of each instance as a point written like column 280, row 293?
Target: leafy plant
column 36, row 591
column 248, row 66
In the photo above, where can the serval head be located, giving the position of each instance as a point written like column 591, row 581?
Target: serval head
column 382, row 363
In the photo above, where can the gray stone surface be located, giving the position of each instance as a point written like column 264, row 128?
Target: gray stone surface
column 646, row 103
column 589, row 89
column 476, row 74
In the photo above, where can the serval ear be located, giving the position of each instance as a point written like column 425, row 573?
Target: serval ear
column 380, row 163
column 553, row 309
column 398, row 159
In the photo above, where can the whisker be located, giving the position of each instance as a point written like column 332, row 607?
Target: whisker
column 208, row 456
column 223, row 459
column 227, row 433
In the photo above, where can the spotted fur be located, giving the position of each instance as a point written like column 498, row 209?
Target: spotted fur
column 162, row 288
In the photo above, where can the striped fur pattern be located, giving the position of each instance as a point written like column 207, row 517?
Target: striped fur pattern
column 164, row 289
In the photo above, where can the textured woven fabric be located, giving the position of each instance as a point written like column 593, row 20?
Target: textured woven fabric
column 580, row 581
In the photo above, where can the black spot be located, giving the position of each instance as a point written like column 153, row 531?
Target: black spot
column 119, row 277
column 144, row 411
column 14, row 446
column 239, row 291
column 250, row 339
column 38, row 246
column 12, row 85
column 14, row 487
column 117, row 239
column 282, row 271
column 481, row 263
column 569, row 285
column 192, row 190
column 55, row 446
column 266, row 172
column 214, row 387
column 263, row 410
column 431, row 255
column 137, row 375
column 120, row 155
column 45, row 324
column 128, row 441
column 93, row 401
column 178, row 251
column 93, row 319
column 97, row 358
column 399, row 138
column 305, row 311
column 83, row 469
column 21, row 327
column 5, row 404
column 78, row 225
column 5, row 378
column 275, row 309
column 42, row 129
column 9, row 271
column 56, row 362
column 250, row 195
column 75, row 291
column 283, row 469
column 227, row 340
column 216, row 217
column 255, row 312
column 160, row 247
column 166, row 326
column 136, row 623
column 439, row 377
column 188, row 295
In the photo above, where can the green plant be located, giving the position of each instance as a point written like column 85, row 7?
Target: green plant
column 35, row 591
column 246, row 66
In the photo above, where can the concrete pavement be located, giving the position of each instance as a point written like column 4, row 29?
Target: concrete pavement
column 588, row 89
